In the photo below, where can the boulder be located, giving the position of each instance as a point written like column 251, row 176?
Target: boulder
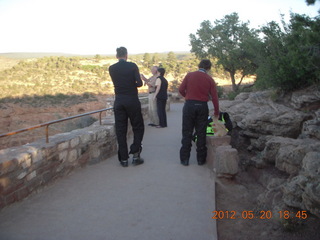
column 287, row 153
column 311, row 198
column 311, row 128
column 305, row 98
column 257, row 113
column 272, row 197
column 303, row 191
column 293, row 191
column 311, row 165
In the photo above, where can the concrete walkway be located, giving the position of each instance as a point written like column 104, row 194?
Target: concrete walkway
column 159, row 200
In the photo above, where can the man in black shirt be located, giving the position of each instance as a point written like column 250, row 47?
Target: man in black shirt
column 126, row 79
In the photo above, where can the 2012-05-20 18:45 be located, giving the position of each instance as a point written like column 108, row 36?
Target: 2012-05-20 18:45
column 264, row 214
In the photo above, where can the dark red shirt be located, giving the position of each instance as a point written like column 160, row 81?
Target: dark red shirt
column 199, row 86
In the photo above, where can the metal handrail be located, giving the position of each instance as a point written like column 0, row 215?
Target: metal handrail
column 47, row 124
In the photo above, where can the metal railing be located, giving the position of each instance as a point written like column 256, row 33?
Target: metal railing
column 47, row 124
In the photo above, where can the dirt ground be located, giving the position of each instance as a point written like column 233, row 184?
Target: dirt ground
column 236, row 199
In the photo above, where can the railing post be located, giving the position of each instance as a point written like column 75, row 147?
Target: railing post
column 47, row 134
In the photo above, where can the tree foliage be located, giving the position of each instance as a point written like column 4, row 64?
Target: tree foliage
column 229, row 41
column 310, row 2
column 147, row 60
column 291, row 54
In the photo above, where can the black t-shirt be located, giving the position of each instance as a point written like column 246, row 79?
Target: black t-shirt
column 125, row 77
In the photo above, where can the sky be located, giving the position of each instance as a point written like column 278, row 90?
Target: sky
column 100, row 26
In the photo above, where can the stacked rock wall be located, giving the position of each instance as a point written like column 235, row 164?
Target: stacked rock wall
column 27, row 168
column 284, row 134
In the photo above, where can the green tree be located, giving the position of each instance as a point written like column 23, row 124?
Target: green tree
column 155, row 59
column 229, row 41
column 291, row 54
column 310, row 2
column 171, row 61
column 147, row 60
column 97, row 57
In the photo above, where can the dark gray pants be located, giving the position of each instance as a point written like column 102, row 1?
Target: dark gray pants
column 162, row 114
column 195, row 117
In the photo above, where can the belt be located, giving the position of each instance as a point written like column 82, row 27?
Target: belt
column 152, row 92
column 196, row 102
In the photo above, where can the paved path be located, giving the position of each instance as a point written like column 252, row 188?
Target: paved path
column 159, row 200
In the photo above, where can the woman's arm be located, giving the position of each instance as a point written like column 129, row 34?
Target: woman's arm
column 158, row 86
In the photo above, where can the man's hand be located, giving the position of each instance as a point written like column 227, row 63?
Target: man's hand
column 215, row 117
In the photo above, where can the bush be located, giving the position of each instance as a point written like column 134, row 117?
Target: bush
column 220, row 91
column 232, row 95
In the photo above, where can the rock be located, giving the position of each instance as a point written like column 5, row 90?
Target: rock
column 226, row 161
column 293, row 190
column 212, row 143
column 311, row 170
column 311, row 128
column 258, row 114
column 242, row 96
column 275, row 183
column 286, row 133
column 273, row 195
column 260, row 143
column 218, row 141
column 311, row 165
column 311, row 198
column 287, row 153
column 303, row 191
column 258, row 162
column 305, row 98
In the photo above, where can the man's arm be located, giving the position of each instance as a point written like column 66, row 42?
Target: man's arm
column 137, row 77
column 182, row 88
column 143, row 78
column 215, row 98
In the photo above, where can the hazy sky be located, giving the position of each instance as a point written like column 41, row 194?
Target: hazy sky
column 100, row 26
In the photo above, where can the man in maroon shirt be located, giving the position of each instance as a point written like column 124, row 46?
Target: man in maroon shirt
column 196, row 88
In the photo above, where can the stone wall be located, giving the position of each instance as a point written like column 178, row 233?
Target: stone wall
column 27, row 168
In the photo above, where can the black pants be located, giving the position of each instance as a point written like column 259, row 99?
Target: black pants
column 161, row 108
column 128, row 107
column 195, row 116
